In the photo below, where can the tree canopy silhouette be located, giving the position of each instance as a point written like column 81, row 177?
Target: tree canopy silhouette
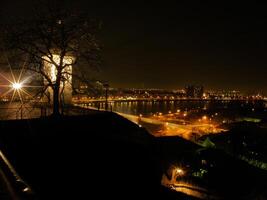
column 52, row 35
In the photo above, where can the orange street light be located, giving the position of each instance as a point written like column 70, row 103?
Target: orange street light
column 17, row 86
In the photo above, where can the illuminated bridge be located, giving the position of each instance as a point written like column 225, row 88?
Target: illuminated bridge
column 110, row 100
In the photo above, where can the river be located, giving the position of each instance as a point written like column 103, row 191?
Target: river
column 187, row 119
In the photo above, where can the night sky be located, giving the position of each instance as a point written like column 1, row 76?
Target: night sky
column 170, row 44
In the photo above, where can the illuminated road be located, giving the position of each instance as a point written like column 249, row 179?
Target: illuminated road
column 193, row 190
column 188, row 188
column 166, row 128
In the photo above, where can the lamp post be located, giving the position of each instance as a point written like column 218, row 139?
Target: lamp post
column 106, row 86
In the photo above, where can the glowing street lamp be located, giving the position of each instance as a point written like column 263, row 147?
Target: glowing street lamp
column 179, row 172
column 204, row 117
column 17, row 86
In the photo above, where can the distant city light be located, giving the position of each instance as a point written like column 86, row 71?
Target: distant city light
column 204, row 117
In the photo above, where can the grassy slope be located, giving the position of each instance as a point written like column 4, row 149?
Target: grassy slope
column 100, row 154
column 103, row 154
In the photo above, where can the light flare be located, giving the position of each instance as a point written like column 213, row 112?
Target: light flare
column 17, row 86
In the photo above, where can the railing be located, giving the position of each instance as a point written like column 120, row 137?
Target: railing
column 17, row 112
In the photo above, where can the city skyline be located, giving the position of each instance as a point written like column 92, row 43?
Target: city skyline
column 170, row 45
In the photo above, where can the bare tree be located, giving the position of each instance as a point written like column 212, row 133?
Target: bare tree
column 53, row 35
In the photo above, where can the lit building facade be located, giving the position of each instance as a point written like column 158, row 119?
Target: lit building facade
column 66, row 79
column 193, row 91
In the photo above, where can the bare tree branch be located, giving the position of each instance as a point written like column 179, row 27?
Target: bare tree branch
column 55, row 31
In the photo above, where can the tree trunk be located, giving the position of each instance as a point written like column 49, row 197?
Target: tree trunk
column 56, row 100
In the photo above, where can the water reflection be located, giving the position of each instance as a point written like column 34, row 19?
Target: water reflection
column 187, row 119
column 148, row 107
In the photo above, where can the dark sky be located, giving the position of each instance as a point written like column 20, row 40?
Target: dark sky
column 170, row 44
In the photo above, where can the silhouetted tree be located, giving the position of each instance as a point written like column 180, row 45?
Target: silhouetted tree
column 54, row 30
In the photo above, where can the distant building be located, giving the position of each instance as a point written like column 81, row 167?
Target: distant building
column 193, row 91
column 225, row 94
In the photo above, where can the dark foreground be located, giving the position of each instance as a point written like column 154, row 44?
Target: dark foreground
column 102, row 155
